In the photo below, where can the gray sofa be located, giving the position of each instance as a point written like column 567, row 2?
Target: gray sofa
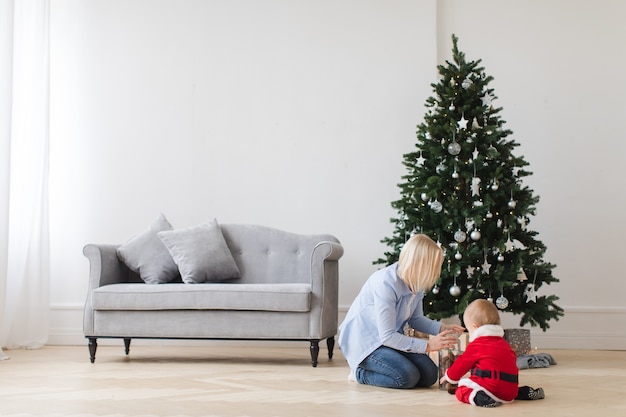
column 286, row 290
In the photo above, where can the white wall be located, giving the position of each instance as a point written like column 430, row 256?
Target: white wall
column 296, row 114
column 291, row 114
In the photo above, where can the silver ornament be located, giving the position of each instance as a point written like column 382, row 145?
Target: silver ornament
column 435, row 290
column 475, row 235
column 454, row 148
column 458, row 256
column 436, row 206
column 460, row 236
column 424, row 197
column 502, row 302
column 455, row 175
column 500, row 258
column 455, row 290
column 512, row 203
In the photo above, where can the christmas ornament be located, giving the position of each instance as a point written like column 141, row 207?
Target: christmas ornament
column 475, row 235
column 435, row 290
column 486, row 99
column 458, row 256
column 475, row 186
column 502, row 302
column 454, row 148
column 420, row 160
column 460, row 236
column 489, row 215
column 521, row 275
column 490, row 299
column 455, row 290
column 486, row 266
column 455, row 174
column 424, row 197
column 509, row 245
column 469, row 271
column 512, row 204
column 500, row 258
column 495, row 186
column 436, row 206
column 463, row 122
column 475, row 153
column 467, row 82
column 530, row 293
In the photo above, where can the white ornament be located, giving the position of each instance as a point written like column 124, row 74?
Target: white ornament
column 436, row 206
column 530, row 293
column 469, row 271
column 467, row 82
column 435, row 290
column 460, row 236
column 509, row 245
column 486, row 99
column 502, row 302
column 475, row 153
column 424, row 197
column 420, row 160
column 475, row 186
column 462, row 123
column 521, row 276
column 458, row 256
column 455, row 290
column 512, row 204
column 475, row 235
column 486, row 266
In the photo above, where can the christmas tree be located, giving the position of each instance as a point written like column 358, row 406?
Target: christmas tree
column 464, row 189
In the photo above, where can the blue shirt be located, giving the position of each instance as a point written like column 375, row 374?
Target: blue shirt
column 378, row 316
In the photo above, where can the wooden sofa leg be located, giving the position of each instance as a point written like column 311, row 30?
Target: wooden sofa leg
column 92, row 348
column 330, row 342
column 315, row 350
column 126, row 346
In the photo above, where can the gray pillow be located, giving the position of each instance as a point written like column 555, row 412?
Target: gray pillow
column 146, row 254
column 201, row 253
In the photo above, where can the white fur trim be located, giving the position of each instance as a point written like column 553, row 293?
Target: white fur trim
column 466, row 382
column 487, row 330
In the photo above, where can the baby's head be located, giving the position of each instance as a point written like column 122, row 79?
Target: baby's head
column 480, row 312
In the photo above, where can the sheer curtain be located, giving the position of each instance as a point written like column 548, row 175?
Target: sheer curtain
column 24, row 140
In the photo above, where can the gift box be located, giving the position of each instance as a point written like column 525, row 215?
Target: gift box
column 519, row 339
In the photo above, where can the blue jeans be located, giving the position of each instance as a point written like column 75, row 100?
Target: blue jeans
column 390, row 368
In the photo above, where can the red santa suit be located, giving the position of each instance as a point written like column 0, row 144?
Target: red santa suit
column 492, row 366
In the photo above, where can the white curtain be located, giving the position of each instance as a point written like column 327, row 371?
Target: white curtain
column 24, row 140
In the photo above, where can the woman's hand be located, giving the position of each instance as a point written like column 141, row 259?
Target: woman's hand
column 447, row 339
column 455, row 327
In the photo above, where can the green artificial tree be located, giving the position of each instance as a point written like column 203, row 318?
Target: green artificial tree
column 464, row 189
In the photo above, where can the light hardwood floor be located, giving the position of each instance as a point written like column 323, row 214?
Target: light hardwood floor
column 261, row 381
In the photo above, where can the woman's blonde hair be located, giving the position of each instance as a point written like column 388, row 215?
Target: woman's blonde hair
column 482, row 312
column 420, row 262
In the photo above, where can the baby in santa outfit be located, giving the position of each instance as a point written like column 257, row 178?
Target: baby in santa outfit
column 493, row 378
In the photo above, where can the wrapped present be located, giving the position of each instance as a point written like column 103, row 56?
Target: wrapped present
column 519, row 339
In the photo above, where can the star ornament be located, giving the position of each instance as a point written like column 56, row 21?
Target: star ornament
column 463, row 122
column 487, row 99
column 530, row 293
column 486, row 266
column 420, row 160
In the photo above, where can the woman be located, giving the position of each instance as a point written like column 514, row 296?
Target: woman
column 372, row 335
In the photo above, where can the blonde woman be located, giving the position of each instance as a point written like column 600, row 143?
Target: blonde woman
column 372, row 338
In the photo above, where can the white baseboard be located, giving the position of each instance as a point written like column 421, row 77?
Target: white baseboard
column 582, row 327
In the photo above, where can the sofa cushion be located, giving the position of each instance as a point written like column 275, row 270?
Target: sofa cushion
column 201, row 253
column 146, row 255
column 210, row 296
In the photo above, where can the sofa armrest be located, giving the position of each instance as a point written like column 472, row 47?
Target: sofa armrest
column 104, row 266
column 325, row 288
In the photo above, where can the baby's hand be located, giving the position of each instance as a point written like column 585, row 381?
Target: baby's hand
column 443, row 380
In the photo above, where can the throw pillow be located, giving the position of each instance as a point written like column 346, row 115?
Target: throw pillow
column 201, row 253
column 146, row 255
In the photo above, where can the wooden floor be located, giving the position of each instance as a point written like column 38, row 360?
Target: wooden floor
column 268, row 381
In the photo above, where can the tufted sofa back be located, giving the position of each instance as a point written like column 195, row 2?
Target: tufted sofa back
column 268, row 255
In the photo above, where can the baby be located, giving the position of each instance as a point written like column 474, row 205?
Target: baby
column 493, row 378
